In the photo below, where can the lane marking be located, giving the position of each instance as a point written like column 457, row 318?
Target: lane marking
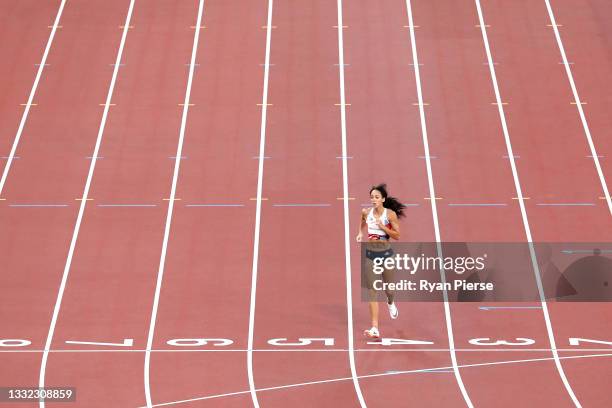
column 508, row 307
column 126, row 205
column 177, row 165
column 302, row 205
column 29, row 103
column 38, row 205
column 519, row 192
column 566, row 204
column 259, row 199
column 585, row 125
column 342, row 379
column 214, row 205
column 315, row 350
column 586, row 251
column 345, row 206
column 77, row 226
column 477, row 204
column 434, row 211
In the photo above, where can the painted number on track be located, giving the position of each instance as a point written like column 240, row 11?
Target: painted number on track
column 199, row 342
column 486, row 341
column 302, row 341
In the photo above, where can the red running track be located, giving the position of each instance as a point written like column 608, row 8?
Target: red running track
column 301, row 289
column 57, row 139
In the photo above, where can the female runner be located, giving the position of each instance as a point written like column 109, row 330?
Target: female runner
column 382, row 221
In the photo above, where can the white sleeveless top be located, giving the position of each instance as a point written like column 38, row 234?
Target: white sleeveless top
column 373, row 230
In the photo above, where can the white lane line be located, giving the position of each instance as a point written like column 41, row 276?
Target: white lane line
column 26, row 111
column 177, row 165
column 345, row 202
column 337, row 350
column 77, row 226
column 434, row 211
column 398, row 372
column 517, row 185
column 261, row 158
column 578, row 104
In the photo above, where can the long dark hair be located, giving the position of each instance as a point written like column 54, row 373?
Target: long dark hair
column 391, row 203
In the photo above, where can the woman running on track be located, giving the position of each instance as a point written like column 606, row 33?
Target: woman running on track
column 382, row 221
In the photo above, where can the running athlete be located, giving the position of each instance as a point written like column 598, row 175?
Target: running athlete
column 382, row 221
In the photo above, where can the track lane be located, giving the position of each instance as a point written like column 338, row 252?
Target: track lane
column 540, row 108
column 52, row 168
column 586, row 37
column 384, row 127
column 19, row 71
column 572, row 170
column 301, row 286
column 207, row 281
column 109, row 291
column 464, row 130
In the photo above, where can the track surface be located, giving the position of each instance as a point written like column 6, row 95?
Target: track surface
column 294, row 227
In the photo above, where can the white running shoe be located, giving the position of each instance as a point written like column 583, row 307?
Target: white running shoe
column 372, row 333
column 393, row 312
